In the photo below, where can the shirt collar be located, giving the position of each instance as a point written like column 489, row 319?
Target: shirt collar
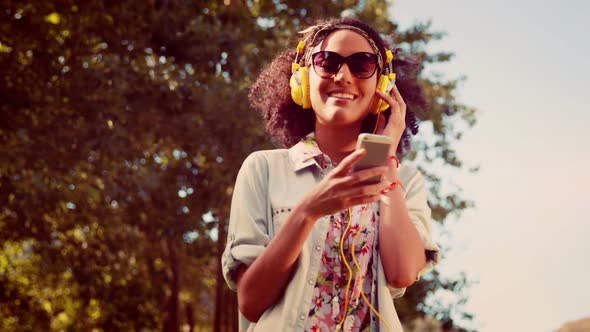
column 303, row 153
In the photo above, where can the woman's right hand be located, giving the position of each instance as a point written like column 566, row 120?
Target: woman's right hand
column 341, row 188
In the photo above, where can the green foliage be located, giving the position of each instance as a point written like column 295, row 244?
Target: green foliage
column 123, row 125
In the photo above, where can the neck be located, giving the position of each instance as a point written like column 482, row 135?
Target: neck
column 336, row 141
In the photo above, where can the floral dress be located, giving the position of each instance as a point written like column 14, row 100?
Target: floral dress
column 330, row 292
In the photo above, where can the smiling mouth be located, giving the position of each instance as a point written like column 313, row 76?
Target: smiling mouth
column 342, row 95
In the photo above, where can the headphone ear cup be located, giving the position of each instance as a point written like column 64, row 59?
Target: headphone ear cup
column 384, row 85
column 305, row 89
column 295, row 84
column 299, row 83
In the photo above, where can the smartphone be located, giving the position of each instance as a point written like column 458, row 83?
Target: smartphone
column 377, row 147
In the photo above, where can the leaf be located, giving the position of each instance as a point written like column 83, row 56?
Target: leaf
column 53, row 18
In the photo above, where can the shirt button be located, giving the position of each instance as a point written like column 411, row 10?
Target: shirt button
column 310, row 282
column 318, row 248
column 336, row 299
column 302, row 317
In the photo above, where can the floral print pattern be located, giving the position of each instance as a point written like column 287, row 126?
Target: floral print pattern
column 330, row 293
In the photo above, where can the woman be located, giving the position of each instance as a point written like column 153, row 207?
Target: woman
column 310, row 246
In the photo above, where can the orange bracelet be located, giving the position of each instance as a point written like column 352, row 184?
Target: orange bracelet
column 392, row 186
column 396, row 160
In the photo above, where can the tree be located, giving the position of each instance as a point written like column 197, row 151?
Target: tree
column 123, row 126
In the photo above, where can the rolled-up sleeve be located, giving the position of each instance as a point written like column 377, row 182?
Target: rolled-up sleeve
column 417, row 204
column 416, row 199
column 247, row 233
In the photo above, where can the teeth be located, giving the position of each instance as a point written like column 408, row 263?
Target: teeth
column 342, row 95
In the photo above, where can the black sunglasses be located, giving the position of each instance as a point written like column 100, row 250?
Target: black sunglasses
column 326, row 64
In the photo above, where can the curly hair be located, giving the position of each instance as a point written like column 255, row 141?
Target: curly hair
column 288, row 122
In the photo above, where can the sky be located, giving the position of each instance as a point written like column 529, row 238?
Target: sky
column 526, row 242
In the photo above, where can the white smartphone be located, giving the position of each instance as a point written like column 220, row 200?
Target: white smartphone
column 377, row 147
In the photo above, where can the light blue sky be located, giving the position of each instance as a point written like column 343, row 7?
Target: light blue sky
column 527, row 241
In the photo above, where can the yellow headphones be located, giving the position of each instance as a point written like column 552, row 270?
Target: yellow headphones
column 299, row 82
column 385, row 84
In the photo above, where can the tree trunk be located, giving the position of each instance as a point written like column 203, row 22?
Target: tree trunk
column 220, row 282
column 190, row 318
column 171, row 324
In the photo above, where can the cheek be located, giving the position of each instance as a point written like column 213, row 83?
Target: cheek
column 370, row 86
column 315, row 86
column 367, row 89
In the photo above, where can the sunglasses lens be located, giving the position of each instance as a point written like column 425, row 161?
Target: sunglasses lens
column 326, row 64
column 362, row 65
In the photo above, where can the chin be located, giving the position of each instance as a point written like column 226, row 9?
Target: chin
column 340, row 117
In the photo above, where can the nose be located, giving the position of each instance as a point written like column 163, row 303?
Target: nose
column 343, row 74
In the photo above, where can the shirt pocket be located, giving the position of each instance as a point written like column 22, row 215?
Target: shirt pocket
column 279, row 215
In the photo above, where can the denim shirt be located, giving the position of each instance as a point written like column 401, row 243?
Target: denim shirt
column 269, row 184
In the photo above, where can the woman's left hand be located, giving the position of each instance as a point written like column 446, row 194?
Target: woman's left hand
column 396, row 124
